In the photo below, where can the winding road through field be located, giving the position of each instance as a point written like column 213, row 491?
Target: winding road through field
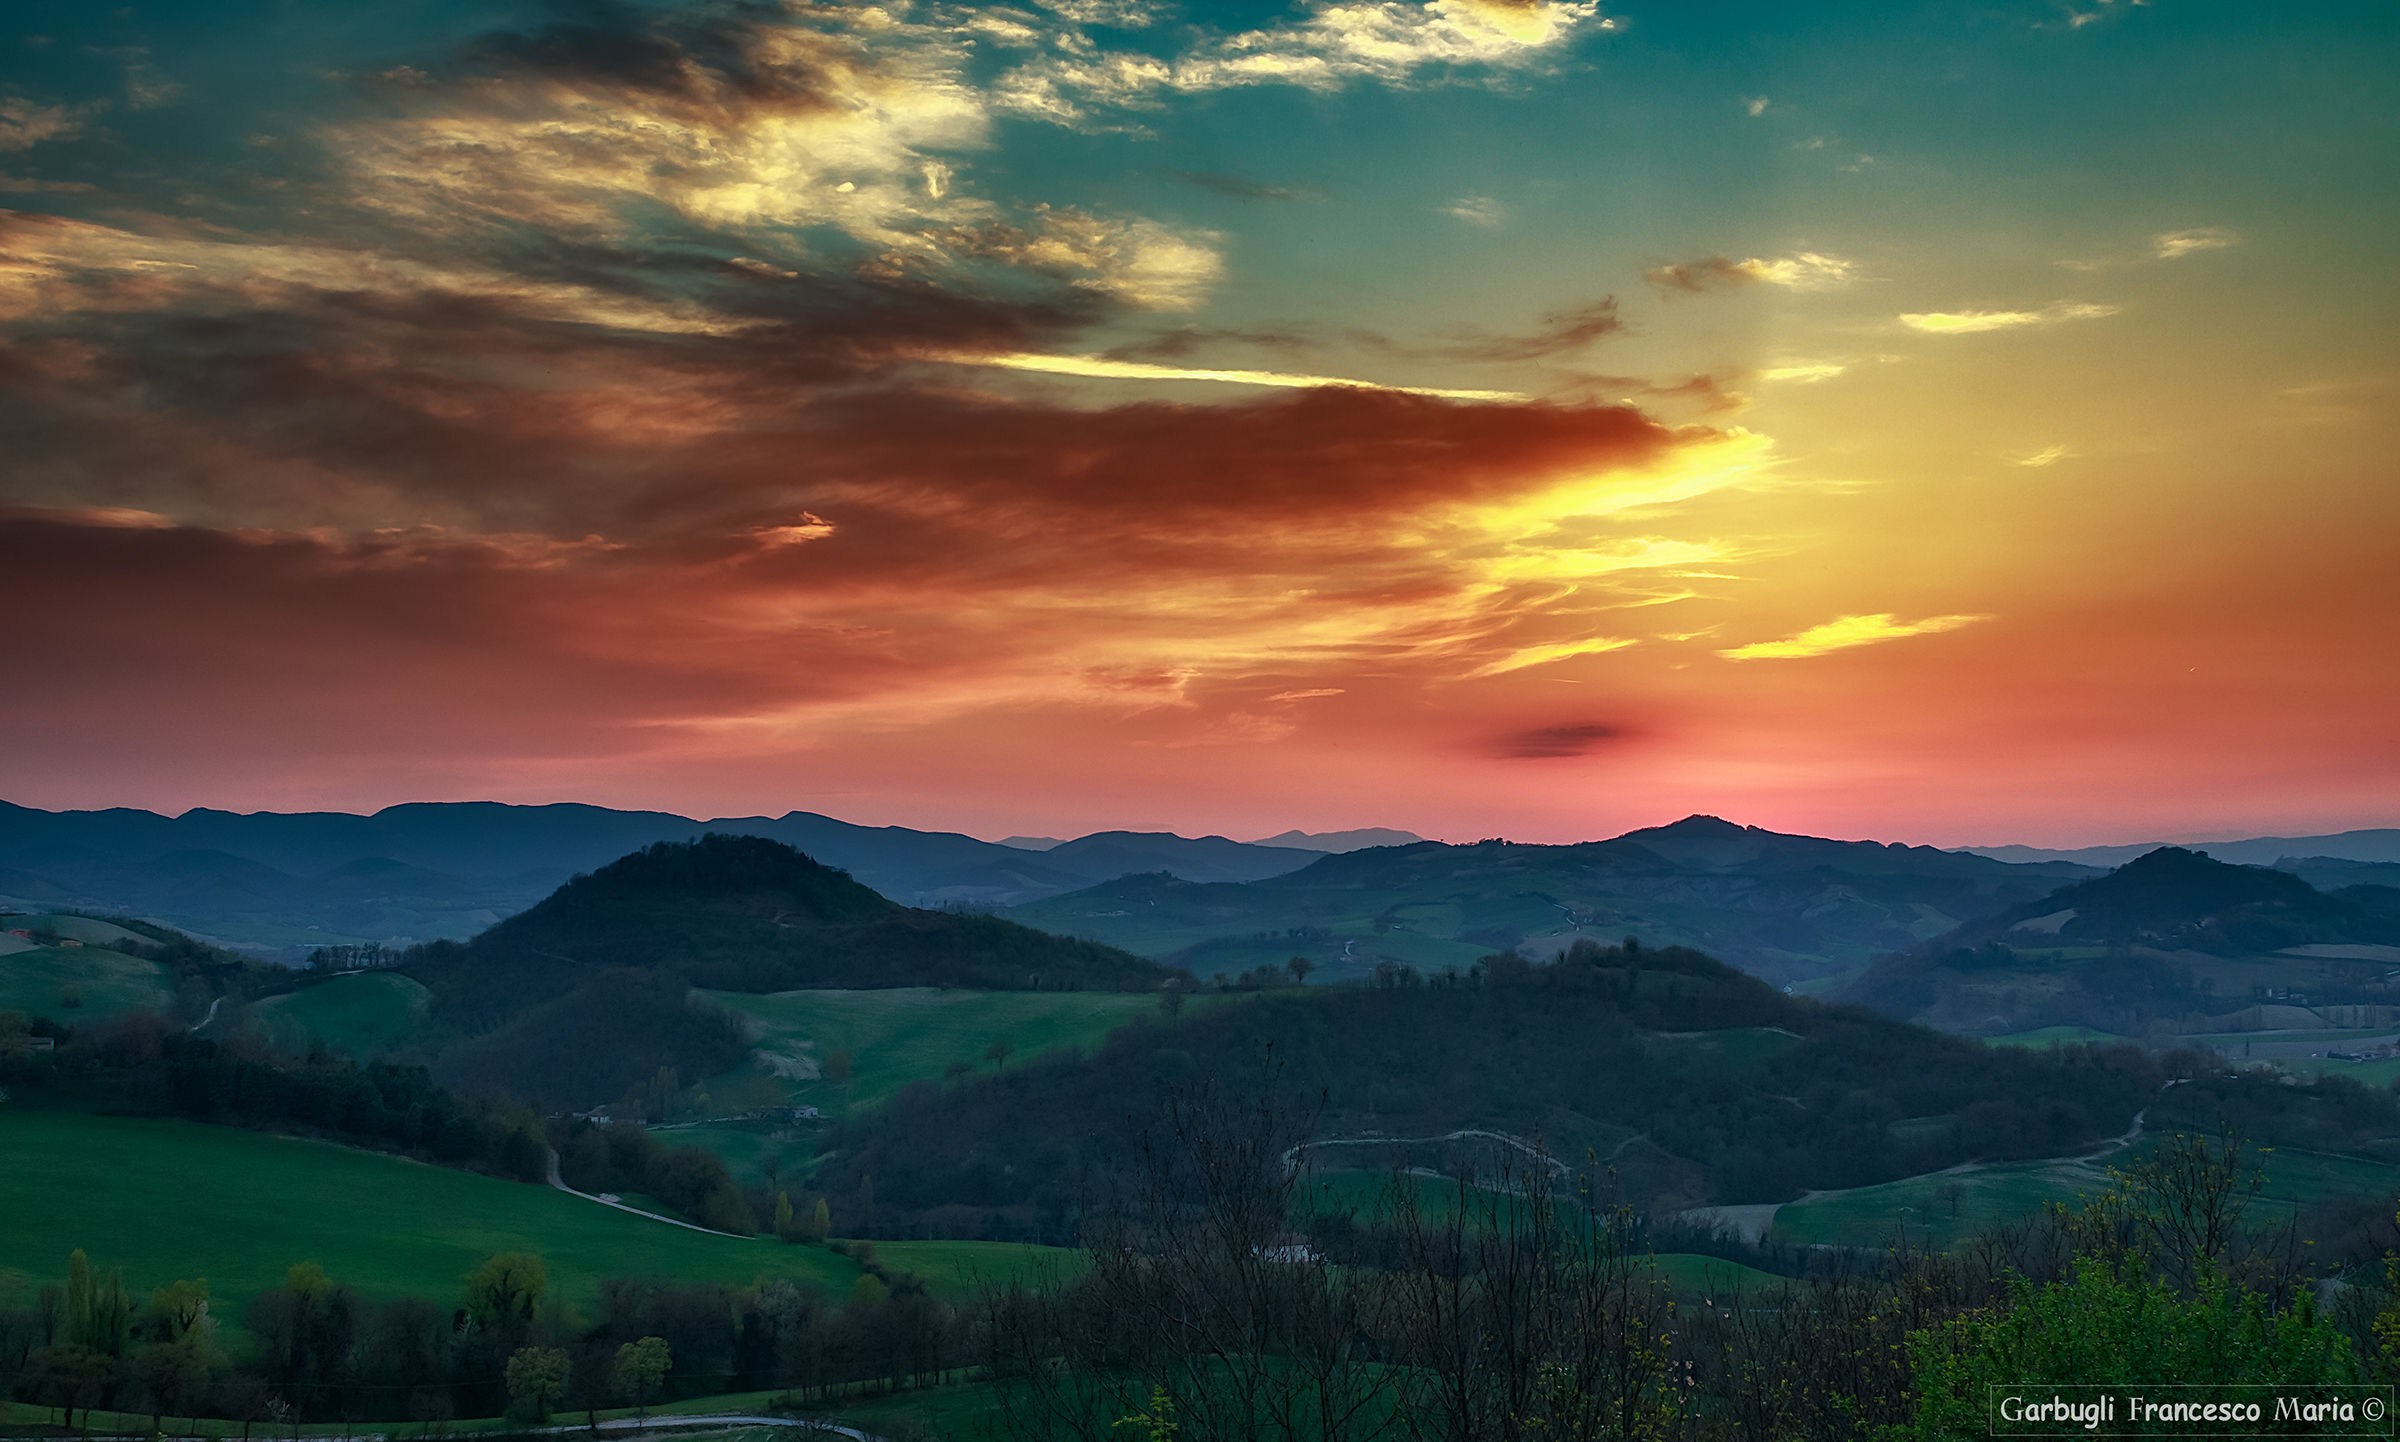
column 560, row 1182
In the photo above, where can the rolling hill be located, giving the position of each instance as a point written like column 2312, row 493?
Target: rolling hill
column 167, row 1199
column 1689, row 1082
column 585, row 994
column 2172, row 941
column 1792, row 909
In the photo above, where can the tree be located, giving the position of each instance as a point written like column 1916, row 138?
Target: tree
column 68, row 1377
column 2108, row 1324
column 504, row 1290
column 1299, row 967
column 180, row 1308
column 997, row 1053
column 537, row 1378
column 783, row 1217
column 837, row 1068
column 172, row 1373
column 79, row 1299
column 820, row 1221
column 640, row 1371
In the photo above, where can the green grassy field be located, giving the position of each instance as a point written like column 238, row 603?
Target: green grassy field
column 1697, row 1275
column 365, row 1015
column 169, row 1199
column 2371, row 1073
column 1930, row 1210
column 1736, row 1049
column 91, row 931
column 958, row 1271
column 2053, row 1036
column 38, row 981
column 909, row 1034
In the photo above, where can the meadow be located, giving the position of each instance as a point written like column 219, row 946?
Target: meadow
column 919, row 1033
column 169, row 1199
column 366, row 1015
column 1945, row 1208
column 44, row 980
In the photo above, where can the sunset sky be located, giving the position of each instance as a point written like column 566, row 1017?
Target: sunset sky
column 1951, row 423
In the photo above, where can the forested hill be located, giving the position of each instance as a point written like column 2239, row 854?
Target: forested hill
column 2174, row 937
column 1687, row 1081
column 577, row 997
column 1787, row 908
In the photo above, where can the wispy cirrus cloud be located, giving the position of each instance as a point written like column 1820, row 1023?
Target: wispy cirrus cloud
column 1844, row 632
column 1976, row 322
column 1544, row 654
column 1476, row 210
column 1102, row 367
column 2176, row 244
column 1803, row 372
column 25, row 123
column 1804, row 270
column 1388, row 42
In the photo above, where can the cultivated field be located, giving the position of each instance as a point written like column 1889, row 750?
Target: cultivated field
column 168, row 1199
column 75, row 984
column 907, row 1034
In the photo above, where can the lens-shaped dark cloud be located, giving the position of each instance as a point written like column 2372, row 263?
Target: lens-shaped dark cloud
column 1579, row 738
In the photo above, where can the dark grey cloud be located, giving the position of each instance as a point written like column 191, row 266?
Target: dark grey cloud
column 1573, row 739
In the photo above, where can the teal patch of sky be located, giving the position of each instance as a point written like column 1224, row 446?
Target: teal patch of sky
column 238, row 70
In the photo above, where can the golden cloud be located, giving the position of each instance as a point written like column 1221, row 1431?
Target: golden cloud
column 1844, row 632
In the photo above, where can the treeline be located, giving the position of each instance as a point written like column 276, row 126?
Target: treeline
column 505, row 1344
column 1522, row 1310
column 148, row 1064
column 1701, row 1084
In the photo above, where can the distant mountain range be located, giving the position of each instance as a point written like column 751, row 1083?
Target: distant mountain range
column 2378, row 845
column 283, row 881
column 1793, row 909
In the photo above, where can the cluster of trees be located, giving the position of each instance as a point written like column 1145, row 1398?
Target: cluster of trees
column 368, row 956
column 1571, row 1050
column 622, row 1157
column 506, row 1344
column 145, row 1063
column 1521, row 1310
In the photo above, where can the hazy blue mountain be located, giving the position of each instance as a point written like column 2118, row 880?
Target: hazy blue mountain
column 1789, row 908
column 2380, row 844
column 1338, row 841
column 449, row 869
column 1110, row 854
column 2173, row 940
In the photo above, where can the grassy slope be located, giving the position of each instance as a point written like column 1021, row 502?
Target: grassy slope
column 2053, row 1036
column 909, row 1034
column 365, row 1015
column 89, row 930
column 168, row 1199
column 957, row 1271
column 110, row 982
column 1987, row 1196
